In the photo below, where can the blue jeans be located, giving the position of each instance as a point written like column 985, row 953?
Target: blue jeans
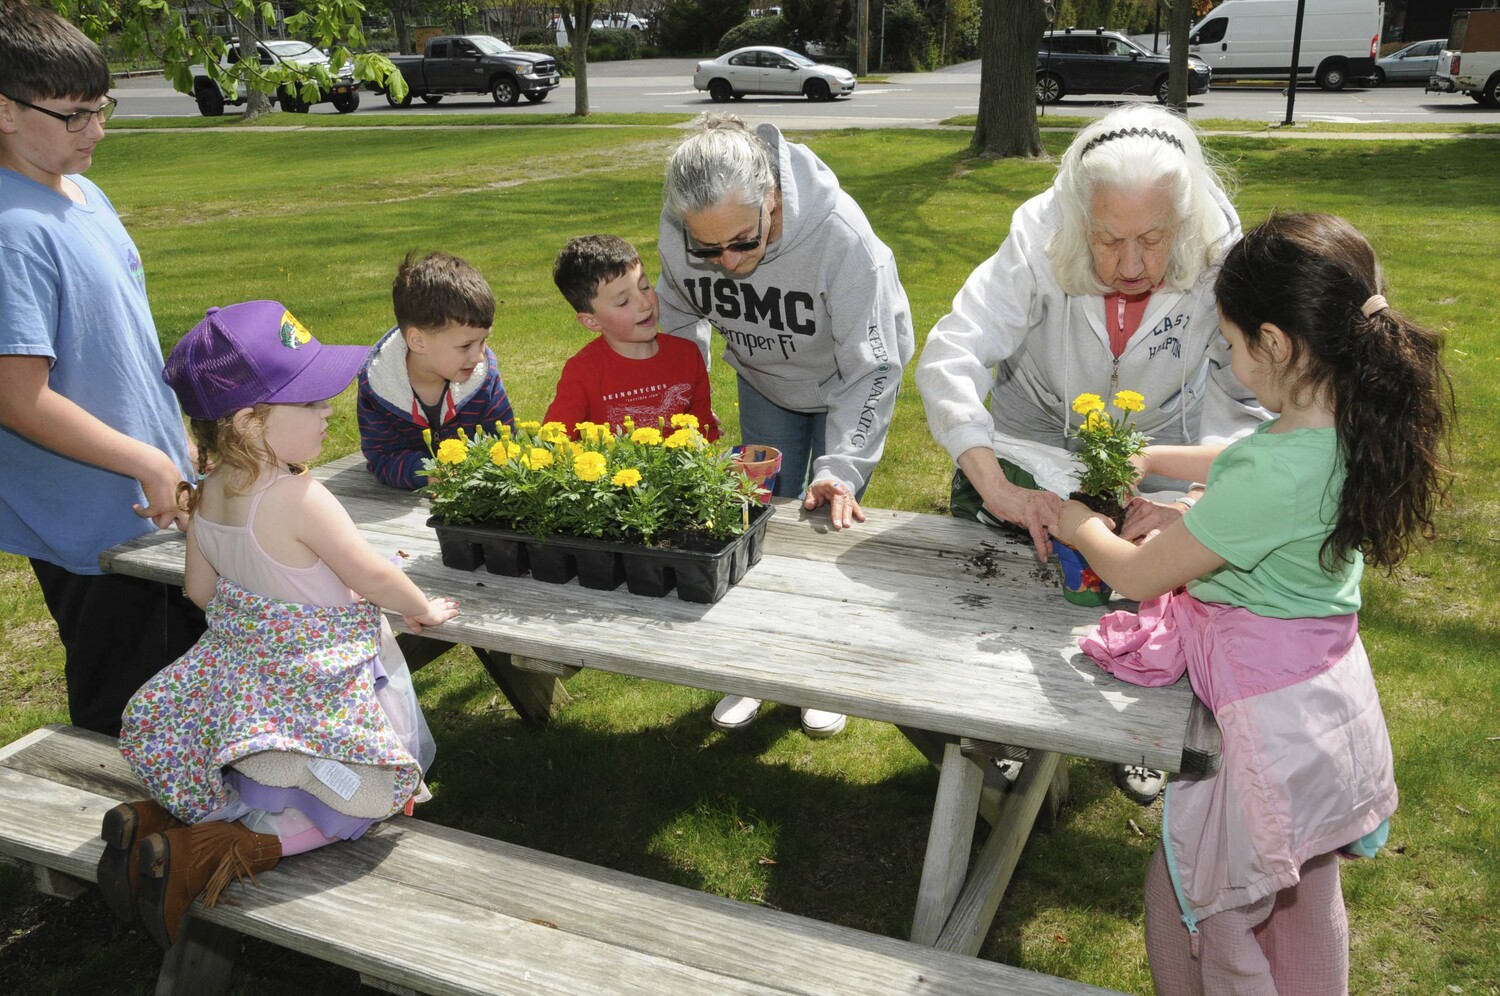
column 800, row 436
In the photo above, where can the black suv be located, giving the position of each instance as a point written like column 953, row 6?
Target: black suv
column 1073, row 62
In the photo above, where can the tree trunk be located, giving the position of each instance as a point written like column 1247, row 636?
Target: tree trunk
column 256, row 102
column 579, row 20
column 1177, row 38
column 1010, row 32
column 403, row 29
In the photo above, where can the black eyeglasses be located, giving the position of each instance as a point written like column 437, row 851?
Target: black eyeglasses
column 78, row 120
column 714, row 252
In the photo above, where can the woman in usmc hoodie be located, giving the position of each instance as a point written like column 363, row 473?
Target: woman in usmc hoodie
column 1105, row 282
column 759, row 241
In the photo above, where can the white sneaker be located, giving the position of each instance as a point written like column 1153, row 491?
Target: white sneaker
column 819, row 724
column 735, row 712
column 1009, row 769
column 1140, row 784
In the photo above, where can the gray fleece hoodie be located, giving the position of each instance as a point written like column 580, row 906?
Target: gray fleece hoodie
column 1016, row 350
column 821, row 325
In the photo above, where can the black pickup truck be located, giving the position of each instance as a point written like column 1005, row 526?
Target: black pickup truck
column 475, row 64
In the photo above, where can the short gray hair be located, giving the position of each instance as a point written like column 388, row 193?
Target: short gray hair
column 723, row 161
column 1133, row 148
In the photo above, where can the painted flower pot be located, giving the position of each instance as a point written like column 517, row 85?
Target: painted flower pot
column 700, row 571
column 1080, row 584
column 760, row 464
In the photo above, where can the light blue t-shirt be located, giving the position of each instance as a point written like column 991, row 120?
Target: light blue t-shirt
column 1272, row 500
column 72, row 289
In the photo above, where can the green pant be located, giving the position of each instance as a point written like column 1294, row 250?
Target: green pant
column 964, row 501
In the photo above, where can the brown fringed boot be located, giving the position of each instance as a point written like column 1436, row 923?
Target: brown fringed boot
column 124, row 828
column 178, row 866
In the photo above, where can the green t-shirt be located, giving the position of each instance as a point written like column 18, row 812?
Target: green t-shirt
column 1272, row 500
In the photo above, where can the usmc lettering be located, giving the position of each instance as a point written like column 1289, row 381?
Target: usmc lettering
column 730, row 300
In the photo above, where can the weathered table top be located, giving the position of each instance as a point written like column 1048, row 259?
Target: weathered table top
column 914, row 619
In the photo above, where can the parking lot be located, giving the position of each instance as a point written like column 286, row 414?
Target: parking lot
column 905, row 100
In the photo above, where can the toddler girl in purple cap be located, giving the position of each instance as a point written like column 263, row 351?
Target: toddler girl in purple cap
column 292, row 723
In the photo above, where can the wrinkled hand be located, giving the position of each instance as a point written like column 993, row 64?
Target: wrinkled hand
column 843, row 510
column 439, row 611
column 1071, row 516
column 1145, row 518
column 159, row 483
column 1034, row 511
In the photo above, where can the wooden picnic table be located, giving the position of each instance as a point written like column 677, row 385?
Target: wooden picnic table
column 948, row 629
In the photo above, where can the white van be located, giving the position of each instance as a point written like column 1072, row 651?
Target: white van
column 1252, row 40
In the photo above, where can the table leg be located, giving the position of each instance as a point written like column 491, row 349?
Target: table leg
column 955, row 906
column 948, row 842
column 200, row 962
column 536, row 695
column 971, row 915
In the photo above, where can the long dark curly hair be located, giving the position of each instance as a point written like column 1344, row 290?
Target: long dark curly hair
column 1311, row 275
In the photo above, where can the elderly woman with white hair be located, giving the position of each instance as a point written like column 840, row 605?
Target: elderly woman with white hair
column 1104, row 283
column 759, row 241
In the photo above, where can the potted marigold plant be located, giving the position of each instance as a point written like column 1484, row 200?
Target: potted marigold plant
column 656, row 507
column 1107, row 442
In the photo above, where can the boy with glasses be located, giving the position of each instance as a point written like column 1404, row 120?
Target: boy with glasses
column 92, row 447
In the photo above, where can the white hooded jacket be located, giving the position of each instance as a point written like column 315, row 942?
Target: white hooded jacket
column 1003, row 367
column 821, row 325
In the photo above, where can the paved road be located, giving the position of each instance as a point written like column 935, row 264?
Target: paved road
column 907, row 100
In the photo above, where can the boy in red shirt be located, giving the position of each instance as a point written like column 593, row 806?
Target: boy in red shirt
column 629, row 371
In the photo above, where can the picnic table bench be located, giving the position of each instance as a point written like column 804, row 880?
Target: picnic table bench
column 419, row 908
column 947, row 629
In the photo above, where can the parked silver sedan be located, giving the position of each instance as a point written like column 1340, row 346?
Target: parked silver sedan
column 766, row 69
column 1415, row 63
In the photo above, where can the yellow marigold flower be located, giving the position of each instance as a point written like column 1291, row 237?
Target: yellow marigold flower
column 499, row 453
column 452, row 451
column 530, row 426
column 646, row 436
column 512, row 450
column 536, row 458
column 627, row 478
column 553, row 432
column 629, row 424
column 589, row 466
column 1097, row 422
column 427, row 439
column 577, row 449
column 1085, row 403
column 591, row 432
column 683, row 437
column 1130, row 401
column 685, row 421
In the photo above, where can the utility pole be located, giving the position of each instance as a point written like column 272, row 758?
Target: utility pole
column 862, row 47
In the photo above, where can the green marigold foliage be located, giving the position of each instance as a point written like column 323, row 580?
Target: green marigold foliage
column 636, row 485
column 1108, row 444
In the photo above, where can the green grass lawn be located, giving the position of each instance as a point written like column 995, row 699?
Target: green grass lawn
column 633, row 775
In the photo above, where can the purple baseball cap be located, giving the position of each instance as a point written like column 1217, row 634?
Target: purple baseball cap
column 255, row 353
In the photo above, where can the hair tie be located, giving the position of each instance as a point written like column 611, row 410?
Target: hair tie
column 1376, row 303
column 1110, row 136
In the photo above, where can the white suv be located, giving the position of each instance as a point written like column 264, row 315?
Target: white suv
column 212, row 97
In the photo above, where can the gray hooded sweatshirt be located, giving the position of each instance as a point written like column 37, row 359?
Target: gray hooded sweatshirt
column 821, row 325
column 1003, row 367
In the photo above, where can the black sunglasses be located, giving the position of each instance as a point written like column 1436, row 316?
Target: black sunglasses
column 78, row 120
column 714, row 252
